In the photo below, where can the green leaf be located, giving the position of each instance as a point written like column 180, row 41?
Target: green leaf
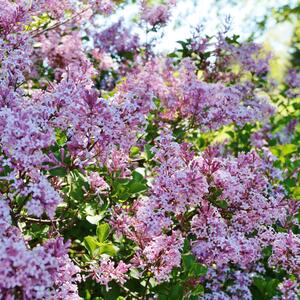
column 149, row 153
column 137, row 176
column 172, row 55
column 186, row 246
column 188, row 260
column 260, row 284
column 134, row 285
column 191, row 266
column 113, row 293
column 162, row 297
column 198, row 290
column 267, row 251
column 60, row 172
column 198, row 270
column 266, row 286
column 102, row 232
column 123, row 197
column 61, row 137
column 176, row 292
column 107, row 248
column 136, row 187
column 271, row 287
column 77, row 182
column 91, row 244
column 230, row 133
column 296, row 192
column 222, row 204
column 283, row 150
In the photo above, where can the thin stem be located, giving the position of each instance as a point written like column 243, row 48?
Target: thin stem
column 61, row 23
column 35, row 220
column 134, row 296
column 146, row 288
column 293, row 173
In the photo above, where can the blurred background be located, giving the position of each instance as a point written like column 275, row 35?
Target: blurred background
column 274, row 23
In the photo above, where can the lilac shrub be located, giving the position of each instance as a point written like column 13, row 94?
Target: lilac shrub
column 113, row 182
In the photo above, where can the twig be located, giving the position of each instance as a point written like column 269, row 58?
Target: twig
column 126, row 290
column 61, row 23
column 45, row 221
column 293, row 172
column 146, row 288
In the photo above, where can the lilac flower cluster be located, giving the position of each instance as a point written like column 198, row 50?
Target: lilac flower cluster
column 116, row 38
column 224, row 200
column 237, row 289
column 59, row 52
column 43, row 272
column 290, row 290
column 156, row 14
column 286, row 252
column 210, row 105
column 293, row 83
column 106, row 271
column 250, row 56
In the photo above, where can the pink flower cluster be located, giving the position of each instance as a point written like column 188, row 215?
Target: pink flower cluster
column 250, row 56
column 116, row 38
column 156, row 14
column 97, row 182
column 210, row 105
column 106, row 272
column 97, row 129
column 286, row 252
column 43, row 272
column 106, row 7
column 293, row 83
column 44, row 198
column 56, row 7
column 221, row 202
column 237, row 289
column 59, row 52
column 290, row 290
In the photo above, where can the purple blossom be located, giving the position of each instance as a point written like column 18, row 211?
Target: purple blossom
column 290, row 290
column 44, row 198
column 98, row 183
column 106, row 272
column 286, row 252
column 158, row 14
column 41, row 272
column 116, row 38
